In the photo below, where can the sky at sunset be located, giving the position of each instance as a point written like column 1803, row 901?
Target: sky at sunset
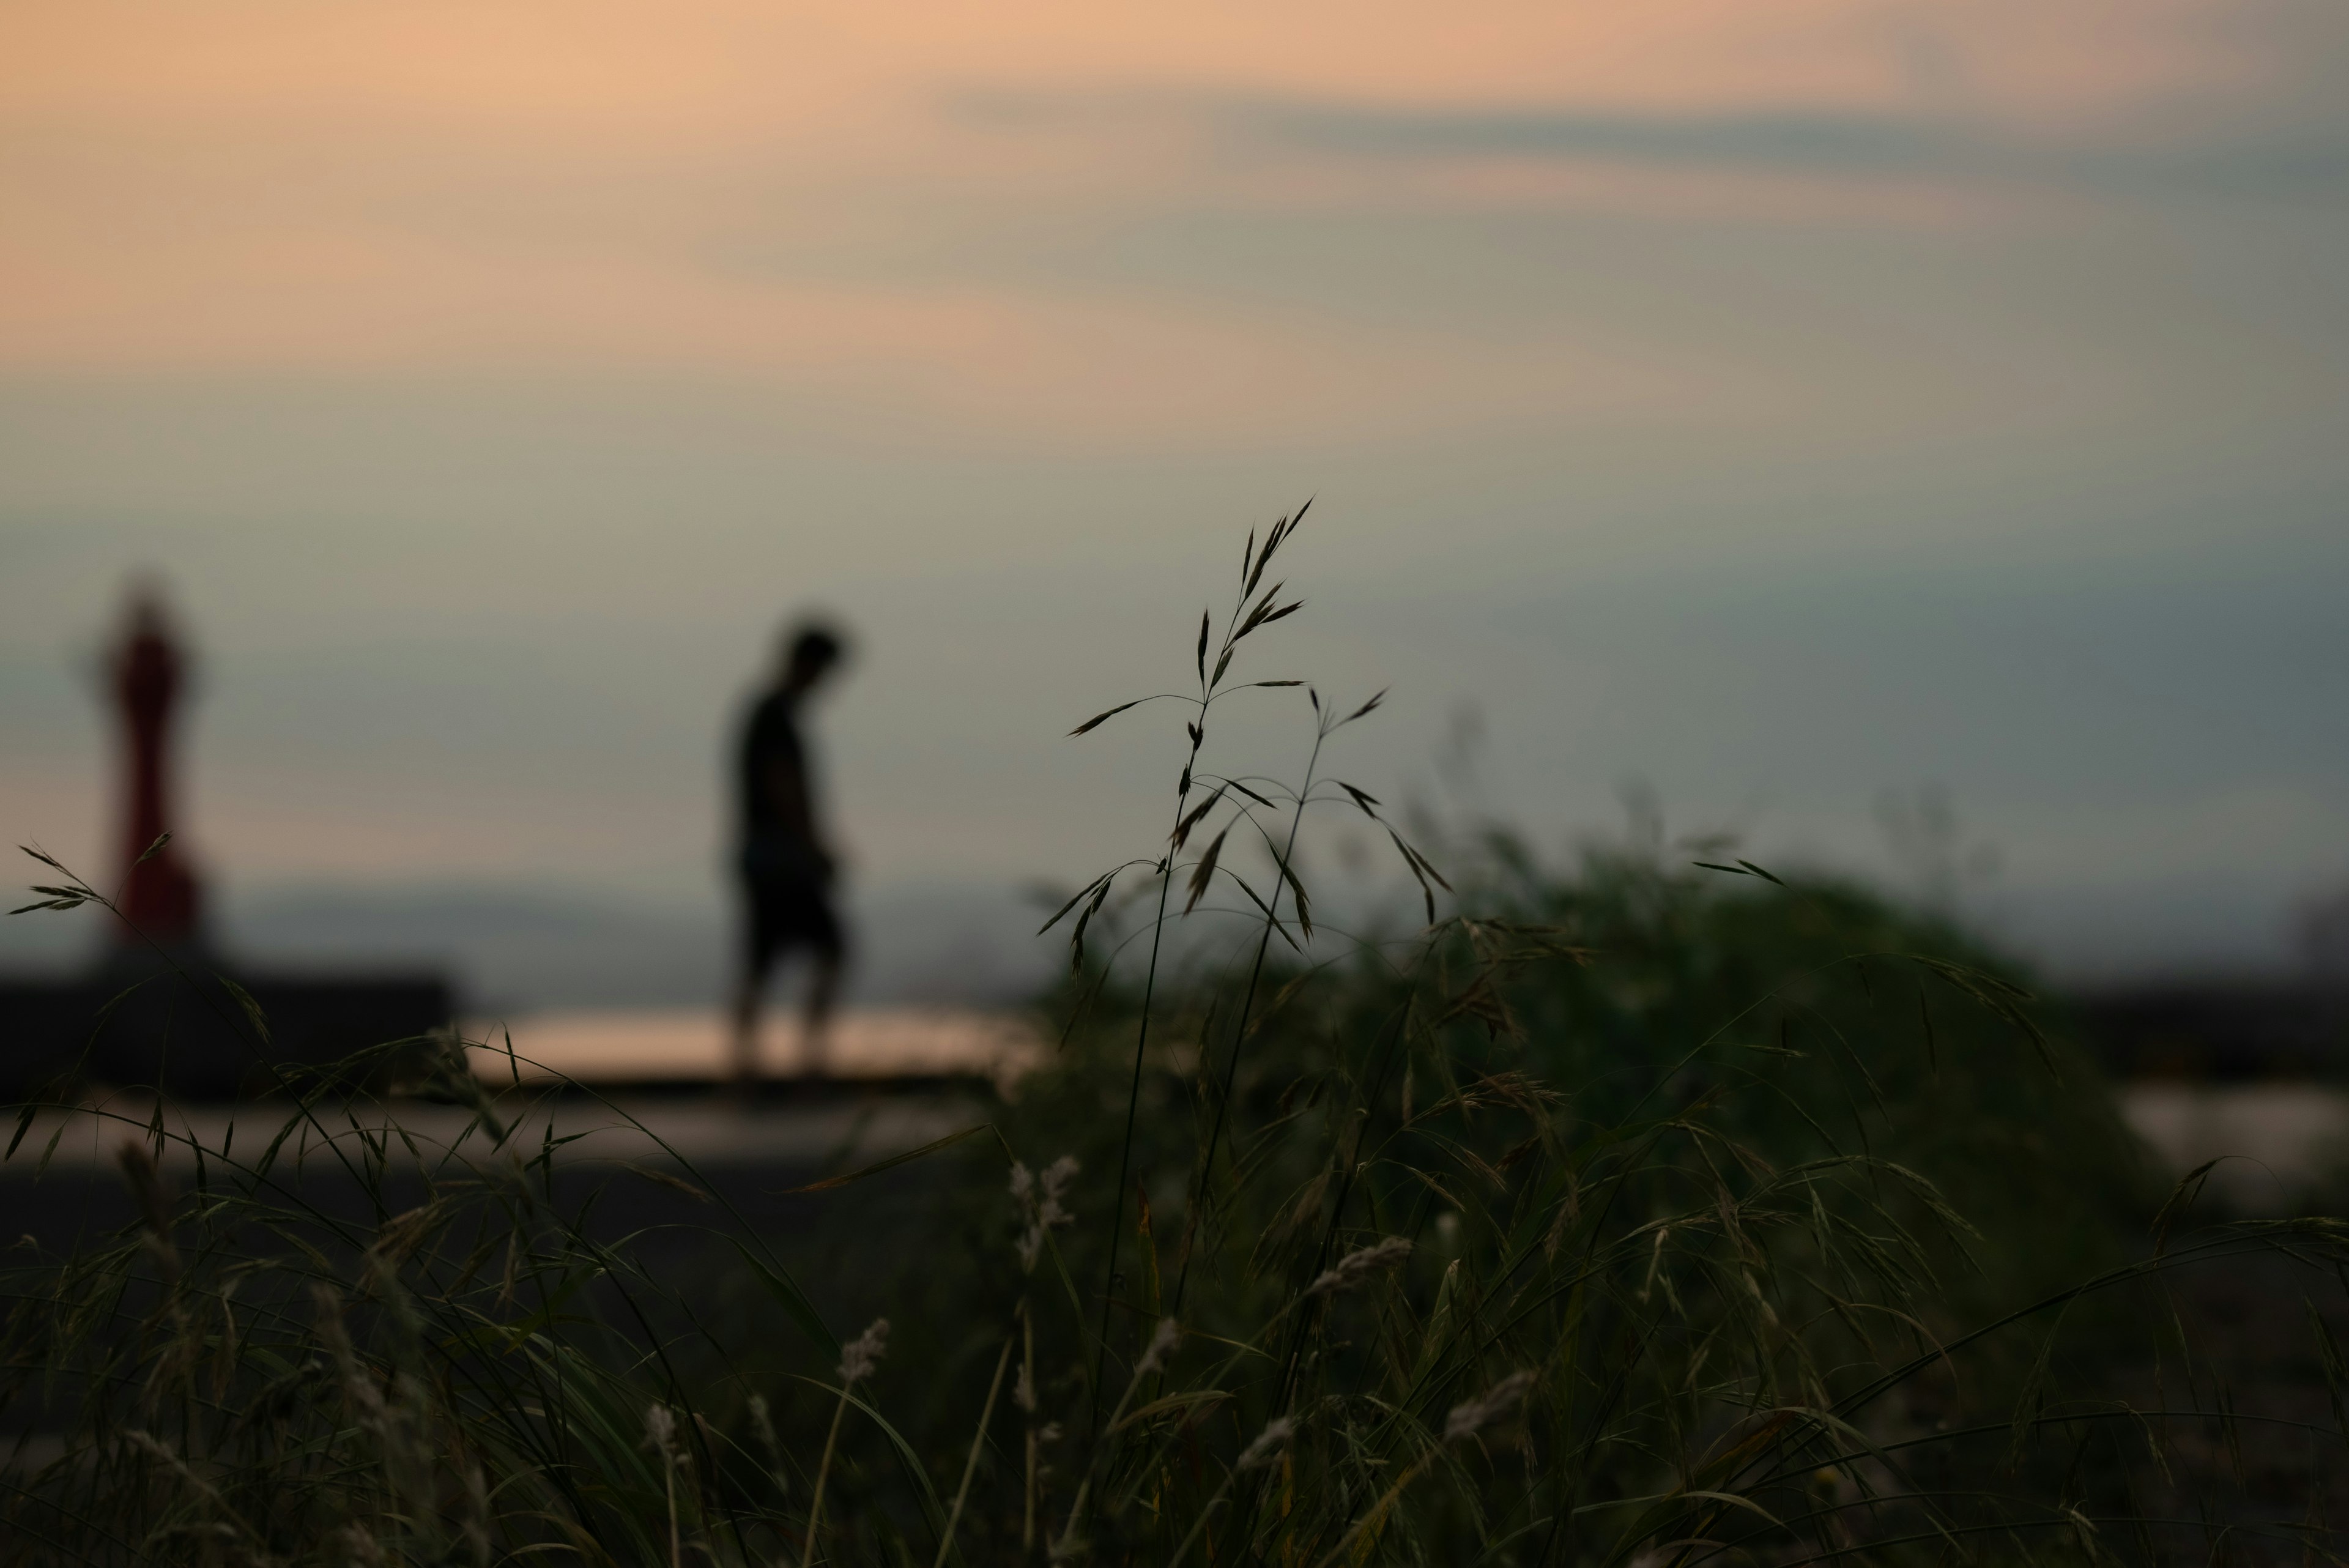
column 1771, row 405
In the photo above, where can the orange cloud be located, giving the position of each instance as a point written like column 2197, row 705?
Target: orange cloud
column 502, row 183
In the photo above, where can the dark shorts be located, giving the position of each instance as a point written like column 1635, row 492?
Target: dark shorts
column 784, row 913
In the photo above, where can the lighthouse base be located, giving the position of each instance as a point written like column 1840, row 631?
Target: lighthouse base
column 196, row 1031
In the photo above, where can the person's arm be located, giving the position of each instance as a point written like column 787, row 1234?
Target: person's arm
column 785, row 783
column 787, row 795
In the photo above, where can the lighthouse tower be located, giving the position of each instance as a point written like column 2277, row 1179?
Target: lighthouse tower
column 160, row 899
column 163, row 1007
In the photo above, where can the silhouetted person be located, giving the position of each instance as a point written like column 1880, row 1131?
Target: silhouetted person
column 785, row 866
column 160, row 897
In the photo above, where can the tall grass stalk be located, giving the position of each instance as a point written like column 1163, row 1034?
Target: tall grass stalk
column 858, row 1362
column 1252, row 569
column 977, row 1446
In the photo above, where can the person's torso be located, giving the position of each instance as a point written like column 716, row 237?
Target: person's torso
column 771, row 746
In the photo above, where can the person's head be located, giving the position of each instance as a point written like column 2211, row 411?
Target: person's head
column 148, row 608
column 811, row 650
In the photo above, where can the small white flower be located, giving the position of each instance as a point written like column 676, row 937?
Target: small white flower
column 1355, row 1267
column 1474, row 1416
column 863, row 1353
column 660, row 1429
column 1268, row 1443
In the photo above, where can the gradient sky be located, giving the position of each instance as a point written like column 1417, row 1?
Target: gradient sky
column 1779, row 403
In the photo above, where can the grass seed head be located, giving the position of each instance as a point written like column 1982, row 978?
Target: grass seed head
column 154, row 1208
column 660, row 1430
column 1473, row 1417
column 1268, row 1444
column 1355, row 1267
column 1161, row 1344
column 1039, row 1201
column 861, row 1355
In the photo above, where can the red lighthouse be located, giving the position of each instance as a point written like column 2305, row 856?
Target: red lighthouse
column 160, row 897
column 159, row 1009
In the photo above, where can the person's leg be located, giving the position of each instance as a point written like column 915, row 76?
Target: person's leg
column 823, row 988
column 758, row 955
column 829, row 950
column 746, row 1027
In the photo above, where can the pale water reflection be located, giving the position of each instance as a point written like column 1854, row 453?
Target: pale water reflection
column 652, row 1046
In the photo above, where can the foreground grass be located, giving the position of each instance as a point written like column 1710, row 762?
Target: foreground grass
column 1643, row 1213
